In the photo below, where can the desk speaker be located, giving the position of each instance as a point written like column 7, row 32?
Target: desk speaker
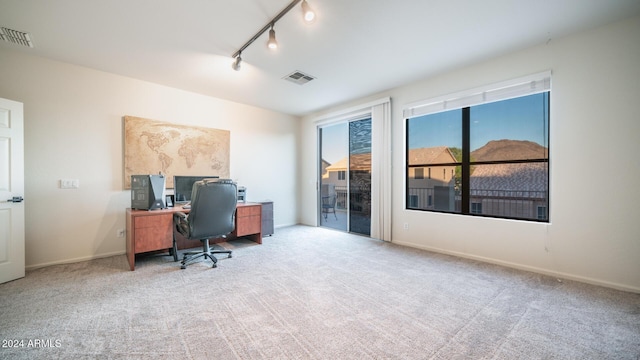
column 148, row 192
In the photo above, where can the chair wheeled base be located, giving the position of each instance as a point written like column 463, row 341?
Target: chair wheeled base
column 206, row 252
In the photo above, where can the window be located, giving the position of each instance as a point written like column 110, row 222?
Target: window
column 419, row 173
column 342, row 175
column 476, row 208
column 542, row 213
column 493, row 155
column 413, row 200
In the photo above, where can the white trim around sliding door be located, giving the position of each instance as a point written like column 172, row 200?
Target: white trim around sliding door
column 380, row 113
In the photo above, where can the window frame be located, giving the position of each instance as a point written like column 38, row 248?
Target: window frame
column 537, row 83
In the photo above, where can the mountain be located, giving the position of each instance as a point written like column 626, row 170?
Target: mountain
column 509, row 150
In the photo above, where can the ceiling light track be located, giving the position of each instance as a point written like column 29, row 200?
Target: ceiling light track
column 308, row 16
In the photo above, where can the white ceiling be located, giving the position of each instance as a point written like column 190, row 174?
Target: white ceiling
column 355, row 48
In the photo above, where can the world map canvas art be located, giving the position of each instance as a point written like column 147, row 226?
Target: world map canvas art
column 152, row 147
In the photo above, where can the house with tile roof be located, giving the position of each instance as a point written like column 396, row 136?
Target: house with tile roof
column 430, row 185
column 346, row 194
column 334, row 181
column 514, row 190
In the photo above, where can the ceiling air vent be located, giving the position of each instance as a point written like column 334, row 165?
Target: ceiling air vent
column 299, row 77
column 16, row 37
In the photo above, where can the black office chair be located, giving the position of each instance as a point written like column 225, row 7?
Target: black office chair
column 212, row 216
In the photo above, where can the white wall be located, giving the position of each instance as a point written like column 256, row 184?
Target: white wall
column 73, row 129
column 594, row 233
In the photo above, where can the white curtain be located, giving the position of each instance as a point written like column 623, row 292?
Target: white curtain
column 381, row 171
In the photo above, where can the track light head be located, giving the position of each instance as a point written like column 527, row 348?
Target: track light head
column 307, row 13
column 237, row 63
column 272, row 43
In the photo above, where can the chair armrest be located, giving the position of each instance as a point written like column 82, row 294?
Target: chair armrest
column 181, row 223
column 179, row 215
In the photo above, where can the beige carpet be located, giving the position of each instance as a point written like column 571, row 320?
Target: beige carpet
column 312, row 293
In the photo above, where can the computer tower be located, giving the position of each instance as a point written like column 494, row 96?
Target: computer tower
column 148, row 192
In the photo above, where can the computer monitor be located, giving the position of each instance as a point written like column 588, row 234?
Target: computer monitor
column 183, row 184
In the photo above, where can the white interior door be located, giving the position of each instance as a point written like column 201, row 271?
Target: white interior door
column 11, row 190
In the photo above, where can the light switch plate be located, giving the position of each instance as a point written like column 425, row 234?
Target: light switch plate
column 69, row 183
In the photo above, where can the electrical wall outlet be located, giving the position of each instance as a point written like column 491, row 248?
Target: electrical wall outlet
column 406, row 226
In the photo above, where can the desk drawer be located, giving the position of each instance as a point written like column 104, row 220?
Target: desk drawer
column 242, row 211
column 152, row 221
column 248, row 220
column 153, row 233
column 248, row 225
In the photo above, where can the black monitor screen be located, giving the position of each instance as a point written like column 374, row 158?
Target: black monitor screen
column 182, row 186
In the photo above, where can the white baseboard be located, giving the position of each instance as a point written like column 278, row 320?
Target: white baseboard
column 284, row 225
column 93, row 257
column 556, row 274
column 75, row 260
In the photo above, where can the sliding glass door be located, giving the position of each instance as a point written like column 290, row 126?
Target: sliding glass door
column 334, row 152
column 345, row 176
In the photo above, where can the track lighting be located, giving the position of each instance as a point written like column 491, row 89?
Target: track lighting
column 308, row 16
column 237, row 62
column 272, row 43
column 307, row 13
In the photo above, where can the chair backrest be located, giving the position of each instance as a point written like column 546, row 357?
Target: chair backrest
column 213, row 208
column 329, row 201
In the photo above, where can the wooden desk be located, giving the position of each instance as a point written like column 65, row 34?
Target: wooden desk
column 153, row 230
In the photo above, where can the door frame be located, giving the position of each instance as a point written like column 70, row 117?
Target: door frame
column 12, row 214
column 357, row 116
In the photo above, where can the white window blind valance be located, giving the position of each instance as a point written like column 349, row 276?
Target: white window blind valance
column 351, row 113
column 527, row 85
